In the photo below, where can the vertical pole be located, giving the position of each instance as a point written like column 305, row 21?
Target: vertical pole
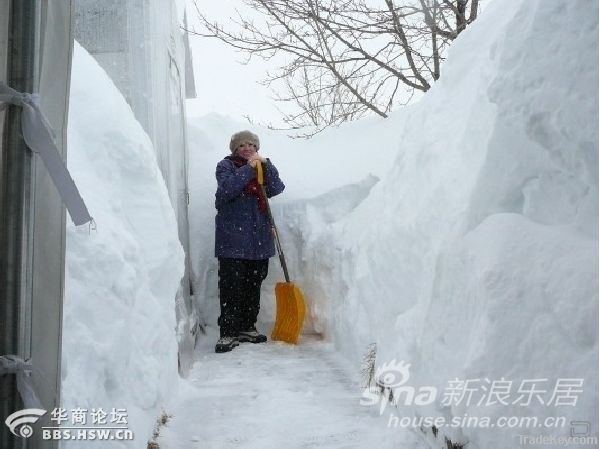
column 15, row 189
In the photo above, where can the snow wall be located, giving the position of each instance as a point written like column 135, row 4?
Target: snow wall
column 476, row 255
column 119, row 340
column 460, row 234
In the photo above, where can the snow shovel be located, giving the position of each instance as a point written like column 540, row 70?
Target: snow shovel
column 289, row 298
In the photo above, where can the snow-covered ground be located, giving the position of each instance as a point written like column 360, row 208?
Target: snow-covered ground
column 459, row 235
column 273, row 395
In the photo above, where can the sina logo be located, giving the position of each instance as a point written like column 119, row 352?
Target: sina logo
column 390, row 379
column 19, row 422
column 390, row 375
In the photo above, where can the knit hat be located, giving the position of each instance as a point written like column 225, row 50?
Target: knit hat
column 243, row 136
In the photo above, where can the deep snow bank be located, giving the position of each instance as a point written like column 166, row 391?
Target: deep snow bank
column 119, row 344
column 476, row 256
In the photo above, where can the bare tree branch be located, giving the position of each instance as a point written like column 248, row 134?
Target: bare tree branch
column 343, row 58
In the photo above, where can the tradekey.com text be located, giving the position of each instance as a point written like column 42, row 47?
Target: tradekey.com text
column 486, row 422
column 552, row 440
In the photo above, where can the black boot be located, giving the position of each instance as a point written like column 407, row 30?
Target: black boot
column 251, row 335
column 226, row 344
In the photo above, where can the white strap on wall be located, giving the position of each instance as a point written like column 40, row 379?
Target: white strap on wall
column 39, row 137
column 11, row 364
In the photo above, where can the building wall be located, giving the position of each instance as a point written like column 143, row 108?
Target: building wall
column 39, row 280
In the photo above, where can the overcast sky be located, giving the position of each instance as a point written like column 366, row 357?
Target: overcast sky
column 224, row 85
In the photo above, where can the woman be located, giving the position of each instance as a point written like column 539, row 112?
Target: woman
column 243, row 239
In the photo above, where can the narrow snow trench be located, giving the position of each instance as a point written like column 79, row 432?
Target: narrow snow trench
column 273, row 395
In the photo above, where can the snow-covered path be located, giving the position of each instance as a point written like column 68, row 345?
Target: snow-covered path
column 273, row 395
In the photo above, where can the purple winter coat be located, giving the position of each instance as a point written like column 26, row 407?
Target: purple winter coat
column 242, row 230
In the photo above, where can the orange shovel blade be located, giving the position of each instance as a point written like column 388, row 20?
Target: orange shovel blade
column 290, row 312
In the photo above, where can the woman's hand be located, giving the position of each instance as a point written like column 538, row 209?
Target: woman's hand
column 255, row 157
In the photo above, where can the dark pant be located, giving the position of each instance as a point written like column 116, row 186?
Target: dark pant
column 239, row 293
